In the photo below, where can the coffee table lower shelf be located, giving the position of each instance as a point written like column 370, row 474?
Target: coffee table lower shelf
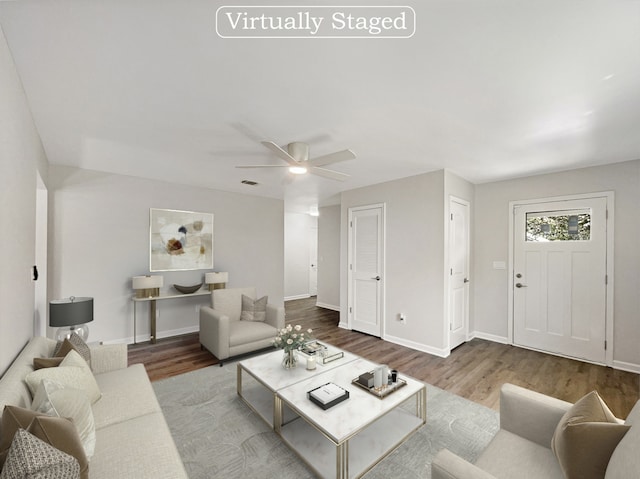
column 356, row 456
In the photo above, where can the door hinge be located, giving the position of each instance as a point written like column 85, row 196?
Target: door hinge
column 451, row 272
column 606, row 279
column 450, row 327
column 605, row 344
column 351, row 267
column 451, row 216
column 351, row 224
column 350, row 310
column 606, row 214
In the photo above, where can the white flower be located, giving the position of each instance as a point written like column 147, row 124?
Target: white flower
column 309, row 331
column 298, row 327
column 289, row 341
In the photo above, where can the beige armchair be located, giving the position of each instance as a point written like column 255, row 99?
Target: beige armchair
column 223, row 332
column 522, row 446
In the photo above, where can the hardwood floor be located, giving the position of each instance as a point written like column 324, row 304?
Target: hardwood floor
column 475, row 370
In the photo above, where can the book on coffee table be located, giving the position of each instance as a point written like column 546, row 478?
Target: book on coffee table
column 328, row 395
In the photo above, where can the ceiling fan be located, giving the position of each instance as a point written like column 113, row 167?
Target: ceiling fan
column 298, row 162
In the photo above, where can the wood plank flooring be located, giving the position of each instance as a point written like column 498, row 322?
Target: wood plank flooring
column 475, row 370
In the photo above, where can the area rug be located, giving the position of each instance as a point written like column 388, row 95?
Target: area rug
column 218, row 436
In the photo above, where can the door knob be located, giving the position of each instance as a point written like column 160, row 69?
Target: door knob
column 377, row 278
column 466, row 280
column 520, row 285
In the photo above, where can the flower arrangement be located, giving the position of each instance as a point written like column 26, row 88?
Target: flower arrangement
column 291, row 338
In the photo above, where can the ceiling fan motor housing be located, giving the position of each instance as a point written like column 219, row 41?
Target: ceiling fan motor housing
column 299, row 150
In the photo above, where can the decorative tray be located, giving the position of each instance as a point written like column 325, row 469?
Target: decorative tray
column 384, row 391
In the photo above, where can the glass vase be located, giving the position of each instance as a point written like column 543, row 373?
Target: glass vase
column 290, row 359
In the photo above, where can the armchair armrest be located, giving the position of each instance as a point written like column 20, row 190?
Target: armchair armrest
column 529, row 414
column 108, row 357
column 275, row 316
column 446, row 465
column 214, row 332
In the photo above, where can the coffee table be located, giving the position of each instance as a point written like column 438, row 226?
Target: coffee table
column 260, row 377
column 350, row 438
column 346, row 440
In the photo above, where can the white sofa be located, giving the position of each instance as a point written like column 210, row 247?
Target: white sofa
column 132, row 436
column 225, row 335
column 522, row 446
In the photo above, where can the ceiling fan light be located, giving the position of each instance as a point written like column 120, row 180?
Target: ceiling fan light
column 297, row 170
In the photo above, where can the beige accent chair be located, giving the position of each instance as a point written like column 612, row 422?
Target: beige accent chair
column 522, row 447
column 225, row 335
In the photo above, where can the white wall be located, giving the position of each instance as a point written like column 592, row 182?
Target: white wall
column 99, row 239
column 21, row 158
column 492, row 243
column 414, row 262
column 297, row 228
column 329, row 257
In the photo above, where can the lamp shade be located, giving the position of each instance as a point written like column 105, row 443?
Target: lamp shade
column 70, row 311
column 213, row 278
column 148, row 282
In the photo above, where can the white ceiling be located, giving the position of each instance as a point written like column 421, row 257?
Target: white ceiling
column 489, row 89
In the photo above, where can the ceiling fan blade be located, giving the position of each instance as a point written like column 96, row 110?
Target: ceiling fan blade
column 281, row 153
column 331, row 174
column 264, row 166
column 333, row 158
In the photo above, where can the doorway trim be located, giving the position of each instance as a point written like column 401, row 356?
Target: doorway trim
column 609, row 318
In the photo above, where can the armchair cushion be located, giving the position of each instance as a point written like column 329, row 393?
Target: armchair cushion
column 254, row 310
column 586, row 437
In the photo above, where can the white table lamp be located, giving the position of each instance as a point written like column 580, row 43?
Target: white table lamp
column 147, row 286
column 216, row 280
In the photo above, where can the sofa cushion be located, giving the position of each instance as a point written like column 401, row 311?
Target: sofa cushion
column 585, row 438
column 30, row 457
column 509, row 455
column 59, row 432
column 73, row 372
column 254, row 310
column 126, row 394
column 243, row 332
column 140, row 447
column 56, row 400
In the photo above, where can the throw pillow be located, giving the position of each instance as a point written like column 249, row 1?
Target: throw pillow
column 76, row 343
column 73, row 372
column 59, row 432
column 585, row 438
column 13, row 418
column 32, row 457
column 39, row 363
column 253, row 310
column 54, row 399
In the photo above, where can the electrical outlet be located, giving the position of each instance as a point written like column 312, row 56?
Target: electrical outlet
column 402, row 318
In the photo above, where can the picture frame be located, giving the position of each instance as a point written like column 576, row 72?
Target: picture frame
column 180, row 240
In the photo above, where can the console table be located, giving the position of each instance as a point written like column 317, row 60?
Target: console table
column 152, row 310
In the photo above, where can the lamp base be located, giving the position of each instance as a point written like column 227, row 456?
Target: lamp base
column 213, row 286
column 81, row 330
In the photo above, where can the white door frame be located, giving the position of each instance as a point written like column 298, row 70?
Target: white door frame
column 609, row 195
column 382, row 206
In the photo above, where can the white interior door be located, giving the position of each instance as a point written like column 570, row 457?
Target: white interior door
column 559, row 277
column 458, row 272
column 313, row 261
column 366, row 268
column 40, row 287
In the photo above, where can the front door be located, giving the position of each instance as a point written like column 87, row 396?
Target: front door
column 559, row 277
column 366, row 237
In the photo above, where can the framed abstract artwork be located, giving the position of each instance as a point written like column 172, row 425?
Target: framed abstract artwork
column 180, row 240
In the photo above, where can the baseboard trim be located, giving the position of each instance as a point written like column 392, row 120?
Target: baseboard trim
column 343, row 325
column 299, row 296
column 624, row 366
column 328, row 306
column 490, row 337
column 442, row 353
column 141, row 338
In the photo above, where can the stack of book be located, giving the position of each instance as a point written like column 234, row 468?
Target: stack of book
column 328, row 395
